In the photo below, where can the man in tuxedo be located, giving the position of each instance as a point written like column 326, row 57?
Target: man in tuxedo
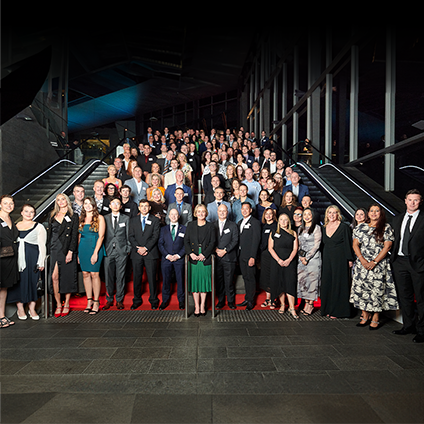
column 299, row 190
column 212, row 207
column 144, row 234
column 171, row 246
column 117, row 245
column 408, row 265
column 250, row 238
column 184, row 209
column 227, row 236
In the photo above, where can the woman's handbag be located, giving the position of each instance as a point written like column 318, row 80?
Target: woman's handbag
column 7, row 252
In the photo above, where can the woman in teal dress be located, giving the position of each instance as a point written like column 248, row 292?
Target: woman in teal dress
column 199, row 242
column 91, row 252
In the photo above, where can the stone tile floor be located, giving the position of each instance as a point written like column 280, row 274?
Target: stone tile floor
column 204, row 371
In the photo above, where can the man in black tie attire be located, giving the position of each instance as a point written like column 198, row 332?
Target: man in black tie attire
column 226, row 257
column 408, row 265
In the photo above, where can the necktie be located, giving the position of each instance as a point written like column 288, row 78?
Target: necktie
column 221, row 227
column 115, row 222
column 166, row 167
column 143, row 223
column 406, row 236
column 173, row 232
column 179, row 208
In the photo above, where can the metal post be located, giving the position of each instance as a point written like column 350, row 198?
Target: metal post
column 389, row 123
column 186, row 286
column 328, row 100
column 213, row 286
column 354, row 88
column 295, row 88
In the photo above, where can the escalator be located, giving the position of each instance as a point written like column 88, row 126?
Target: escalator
column 347, row 188
column 59, row 178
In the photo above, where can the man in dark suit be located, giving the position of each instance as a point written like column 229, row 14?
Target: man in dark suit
column 117, row 247
column 171, row 246
column 250, row 238
column 179, row 183
column 145, row 160
column 299, row 190
column 227, row 236
column 144, row 234
column 408, row 265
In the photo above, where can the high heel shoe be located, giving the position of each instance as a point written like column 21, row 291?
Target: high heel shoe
column 363, row 324
column 374, row 328
column 293, row 313
column 88, row 309
column 65, row 311
column 93, row 312
column 58, row 311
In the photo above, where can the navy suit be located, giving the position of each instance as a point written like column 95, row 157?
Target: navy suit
column 303, row 190
column 170, row 194
column 167, row 246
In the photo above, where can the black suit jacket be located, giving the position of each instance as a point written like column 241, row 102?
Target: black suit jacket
column 229, row 240
column 416, row 242
column 147, row 238
column 250, row 239
column 192, row 242
column 68, row 233
column 167, row 246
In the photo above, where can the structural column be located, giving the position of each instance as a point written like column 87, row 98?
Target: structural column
column 328, row 101
column 354, row 87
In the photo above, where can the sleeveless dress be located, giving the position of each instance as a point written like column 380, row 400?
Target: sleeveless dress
column 9, row 265
column 86, row 248
column 32, row 253
column 283, row 279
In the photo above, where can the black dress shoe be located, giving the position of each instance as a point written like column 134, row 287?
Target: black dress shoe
column 243, row 303
column 220, row 305
column 231, row 305
column 249, row 306
column 419, row 338
column 154, row 306
column 135, row 306
column 162, row 306
column 404, row 331
column 181, row 305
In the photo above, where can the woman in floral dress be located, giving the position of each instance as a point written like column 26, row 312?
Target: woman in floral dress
column 373, row 289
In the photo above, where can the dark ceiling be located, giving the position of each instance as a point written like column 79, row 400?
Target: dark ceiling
column 117, row 72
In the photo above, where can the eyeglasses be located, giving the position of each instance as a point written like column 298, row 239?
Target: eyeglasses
column 297, row 214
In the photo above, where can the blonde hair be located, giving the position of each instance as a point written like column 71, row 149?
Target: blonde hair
column 162, row 199
column 339, row 214
column 199, row 205
column 56, row 208
column 289, row 229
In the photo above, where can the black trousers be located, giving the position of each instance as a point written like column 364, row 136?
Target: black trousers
column 224, row 285
column 409, row 283
column 138, row 265
column 115, row 266
column 249, row 277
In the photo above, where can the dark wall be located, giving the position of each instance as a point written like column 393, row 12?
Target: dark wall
column 24, row 151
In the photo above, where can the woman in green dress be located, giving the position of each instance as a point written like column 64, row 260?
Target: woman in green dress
column 199, row 242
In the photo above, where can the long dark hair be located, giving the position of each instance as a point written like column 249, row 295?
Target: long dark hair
column 381, row 224
column 313, row 222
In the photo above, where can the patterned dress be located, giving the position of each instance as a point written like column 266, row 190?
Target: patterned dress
column 309, row 276
column 373, row 290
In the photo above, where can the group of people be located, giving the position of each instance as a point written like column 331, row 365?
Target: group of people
column 256, row 215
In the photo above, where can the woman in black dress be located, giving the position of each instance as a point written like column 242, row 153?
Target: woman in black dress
column 269, row 225
column 62, row 243
column 288, row 205
column 283, row 246
column 8, row 255
column 31, row 256
column 337, row 259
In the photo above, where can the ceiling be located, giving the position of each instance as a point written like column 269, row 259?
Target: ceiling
column 117, row 72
